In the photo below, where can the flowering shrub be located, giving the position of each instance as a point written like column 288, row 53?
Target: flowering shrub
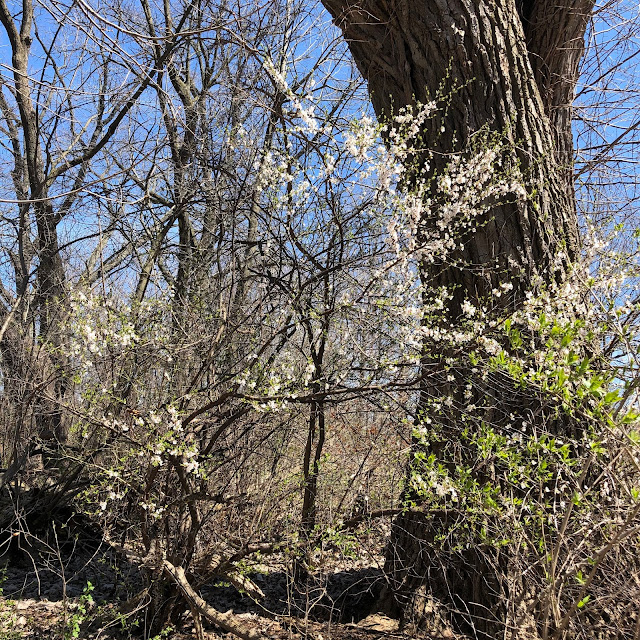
column 524, row 416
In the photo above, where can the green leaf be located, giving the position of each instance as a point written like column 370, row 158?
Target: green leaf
column 634, row 436
column 611, row 397
column 584, row 365
column 567, row 339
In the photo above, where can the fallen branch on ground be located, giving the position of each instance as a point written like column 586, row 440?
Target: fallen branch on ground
column 226, row 621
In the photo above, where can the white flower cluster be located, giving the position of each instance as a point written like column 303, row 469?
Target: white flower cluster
column 405, row 128
column 96, row 323
column 430, row 481
column 468, row 189
column 361, row 137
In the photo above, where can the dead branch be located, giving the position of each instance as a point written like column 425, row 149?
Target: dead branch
column 226, row 621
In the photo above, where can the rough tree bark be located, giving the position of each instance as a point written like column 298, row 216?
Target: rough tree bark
column 508, row 67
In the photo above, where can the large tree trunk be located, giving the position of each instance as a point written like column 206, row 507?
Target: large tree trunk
column 502, row 67
column 498, row 70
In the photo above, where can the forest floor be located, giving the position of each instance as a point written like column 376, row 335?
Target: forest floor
column 85, row 592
